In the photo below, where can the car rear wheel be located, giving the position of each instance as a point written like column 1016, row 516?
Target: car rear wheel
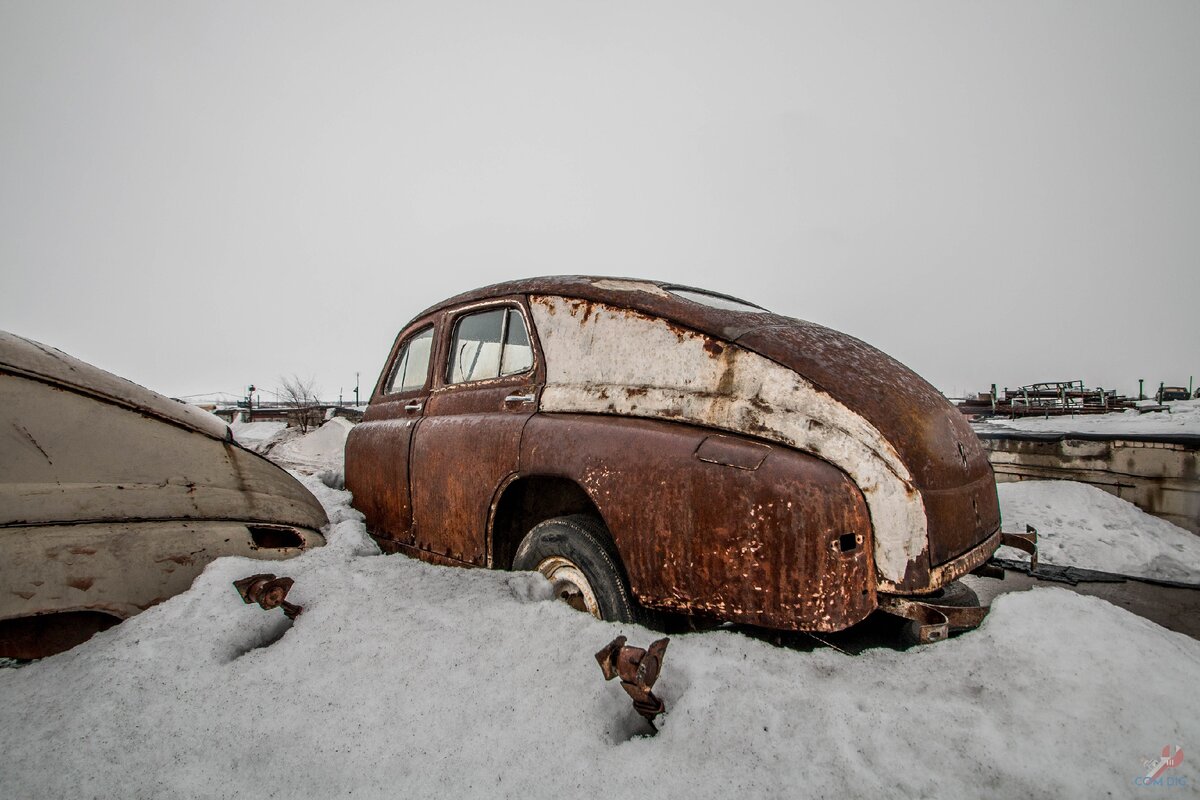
column 577, row 556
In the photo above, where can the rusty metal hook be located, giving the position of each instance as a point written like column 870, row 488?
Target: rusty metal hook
column 269, row 592
column 638, row 669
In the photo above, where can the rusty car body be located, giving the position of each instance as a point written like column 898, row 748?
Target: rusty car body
column 729, row 462
column 114, row 498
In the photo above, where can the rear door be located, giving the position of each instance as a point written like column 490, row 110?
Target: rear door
column 378, row 452
column 486, row 388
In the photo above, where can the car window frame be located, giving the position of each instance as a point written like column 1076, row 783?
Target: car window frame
column 451, row 326
column 402, row 340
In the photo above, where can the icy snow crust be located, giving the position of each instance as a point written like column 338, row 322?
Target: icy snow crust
column 1082, row 526
column 405, row 680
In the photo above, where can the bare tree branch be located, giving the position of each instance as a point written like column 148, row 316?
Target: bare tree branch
column 300, row 395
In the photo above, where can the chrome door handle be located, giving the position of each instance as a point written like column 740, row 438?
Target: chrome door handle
column 414, row 406
column 519, row 398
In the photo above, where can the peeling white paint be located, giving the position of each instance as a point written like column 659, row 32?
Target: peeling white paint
column 607, row 360
column 631, row 286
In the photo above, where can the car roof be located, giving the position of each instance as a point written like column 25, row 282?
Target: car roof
column 655, row 298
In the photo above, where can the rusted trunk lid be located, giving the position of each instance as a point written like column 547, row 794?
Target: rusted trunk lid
column 943, row 455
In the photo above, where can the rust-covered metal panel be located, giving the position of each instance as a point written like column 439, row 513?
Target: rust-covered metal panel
column 459, row 460
column 469, row 442
column 377, row 468
column 946, row 462
column 782, row 546
column 379, row 449
column 604, row 359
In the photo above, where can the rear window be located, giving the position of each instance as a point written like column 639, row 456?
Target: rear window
column 720, row 301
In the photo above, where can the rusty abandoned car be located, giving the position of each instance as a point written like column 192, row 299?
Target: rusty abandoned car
column 652, row 448
column 114, row 498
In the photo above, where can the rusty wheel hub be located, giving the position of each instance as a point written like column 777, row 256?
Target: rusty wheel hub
column 570, row 584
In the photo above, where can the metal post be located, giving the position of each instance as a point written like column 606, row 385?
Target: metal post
column 1141, row 394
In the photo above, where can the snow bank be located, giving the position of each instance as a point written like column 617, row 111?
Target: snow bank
column 257, row 436
column 1082, row 526
column 406, row 680
column 322, row 448
column 1184, row 418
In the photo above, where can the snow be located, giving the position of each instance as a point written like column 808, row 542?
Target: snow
column 256, row 436
column 1082, row 526
column 1182, row 418
column 405, row 679
column 322, row 448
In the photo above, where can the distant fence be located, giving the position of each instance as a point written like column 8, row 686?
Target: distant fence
column 312, row 416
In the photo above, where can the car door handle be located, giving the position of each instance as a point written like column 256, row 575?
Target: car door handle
column 414, row 406
column 519, row 398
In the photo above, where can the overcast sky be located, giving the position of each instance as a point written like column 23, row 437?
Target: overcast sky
column 200, row 196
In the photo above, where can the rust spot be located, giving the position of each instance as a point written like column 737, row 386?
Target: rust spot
column 713, row 348
column 725, row 385
column 82, row 584
column 82, row 551
column 635, row 391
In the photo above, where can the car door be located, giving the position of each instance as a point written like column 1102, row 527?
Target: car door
column 379, row 448
column 486, row 389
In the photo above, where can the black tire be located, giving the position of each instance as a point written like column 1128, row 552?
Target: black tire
column 566, row 548
column 955, row 594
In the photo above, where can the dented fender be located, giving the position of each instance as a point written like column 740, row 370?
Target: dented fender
column 718, row 525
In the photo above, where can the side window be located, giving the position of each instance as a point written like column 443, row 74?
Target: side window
column 489, row 344
column 412, row 366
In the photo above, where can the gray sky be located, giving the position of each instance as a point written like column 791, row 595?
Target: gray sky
column 198, row 196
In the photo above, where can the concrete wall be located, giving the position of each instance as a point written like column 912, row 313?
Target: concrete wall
column 1158, row 474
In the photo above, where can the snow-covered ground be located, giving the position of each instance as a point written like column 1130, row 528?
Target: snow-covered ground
column 1183, row 418
column 1082, row 526
column 402, row 679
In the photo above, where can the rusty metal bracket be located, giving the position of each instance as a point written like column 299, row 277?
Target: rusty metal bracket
column 933, row 621
column 638, row 669
column 269, row 592
column 1026, row 542
column 928, row 623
